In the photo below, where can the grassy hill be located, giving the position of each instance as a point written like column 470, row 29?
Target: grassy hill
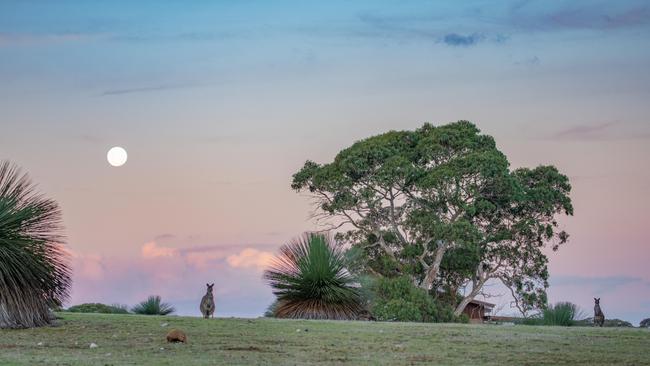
column 133, row 339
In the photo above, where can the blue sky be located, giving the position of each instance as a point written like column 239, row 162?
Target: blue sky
column 218, row 103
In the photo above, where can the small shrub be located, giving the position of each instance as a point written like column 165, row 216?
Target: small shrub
column 562, row 314
column 153, row 306
column 533, row 320
column 270, row 311
column 617, row 323
column 645, row 323
column 463, row 318
column 589, row 322
column 121, row 308
column 402, row 310
column 98, row 308
column 397, row 299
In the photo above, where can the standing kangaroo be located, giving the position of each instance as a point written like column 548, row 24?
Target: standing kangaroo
column 207, row 303
column 599, row 317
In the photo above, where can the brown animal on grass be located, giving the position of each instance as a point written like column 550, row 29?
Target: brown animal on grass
column 176, row 336
column 207, row 303
column 599, row 317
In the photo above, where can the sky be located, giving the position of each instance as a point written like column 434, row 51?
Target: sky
column 219, row 103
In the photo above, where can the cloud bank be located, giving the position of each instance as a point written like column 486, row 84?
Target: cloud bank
column 178, row 275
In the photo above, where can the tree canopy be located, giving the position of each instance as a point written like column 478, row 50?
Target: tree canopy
column 440, row 204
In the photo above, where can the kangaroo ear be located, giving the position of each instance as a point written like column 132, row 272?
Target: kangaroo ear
column 207, row 285
column 212, row 285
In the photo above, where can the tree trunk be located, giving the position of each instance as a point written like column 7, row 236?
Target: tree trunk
column 432, row 273
column 476, row 288
column 466, row 300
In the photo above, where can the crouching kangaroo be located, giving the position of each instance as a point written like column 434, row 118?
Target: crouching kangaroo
column 599, row 317
column 207, row 303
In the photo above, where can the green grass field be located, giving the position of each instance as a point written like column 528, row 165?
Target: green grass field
column 137, row 340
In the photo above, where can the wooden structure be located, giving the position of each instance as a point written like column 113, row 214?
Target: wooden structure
column 478, row 311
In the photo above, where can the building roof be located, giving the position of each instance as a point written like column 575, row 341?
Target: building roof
column 484, row 304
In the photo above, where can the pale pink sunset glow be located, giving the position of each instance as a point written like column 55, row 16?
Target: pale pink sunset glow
column 218, row 114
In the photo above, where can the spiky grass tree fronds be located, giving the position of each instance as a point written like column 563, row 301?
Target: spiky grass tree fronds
column 310, row 280
column 563, row 313
column 153, row 306
column 34, row 267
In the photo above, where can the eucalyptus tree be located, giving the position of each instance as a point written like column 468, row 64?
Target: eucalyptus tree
column 514, row 232
column 439, row 204
column 34, row 267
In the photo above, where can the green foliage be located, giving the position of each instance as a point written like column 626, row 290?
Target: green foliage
column 617, row 323
column 561, row 314
column 532, row 320
column 311, row 281
column 645, row 323
column 441, row 205
column 609, row 323
column 34, row 269
column 406, row 182
column 462, row 318
column 397, row 299
column 153, row 306
column 270, row 310
column 98, row 308
column 458, row 264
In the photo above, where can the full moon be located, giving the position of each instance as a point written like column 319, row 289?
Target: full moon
column 116, row 156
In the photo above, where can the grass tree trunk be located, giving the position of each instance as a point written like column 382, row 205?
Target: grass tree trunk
column 28, row 312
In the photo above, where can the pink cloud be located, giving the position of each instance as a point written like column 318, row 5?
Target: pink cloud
column 89, row 266
column 203, row 259
column 250, row 258
column 178, row 275
column 152, row 250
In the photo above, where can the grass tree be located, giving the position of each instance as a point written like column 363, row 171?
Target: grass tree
column 34, row 267
column 310, row 280
column 153, row 306
column 563, row 314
